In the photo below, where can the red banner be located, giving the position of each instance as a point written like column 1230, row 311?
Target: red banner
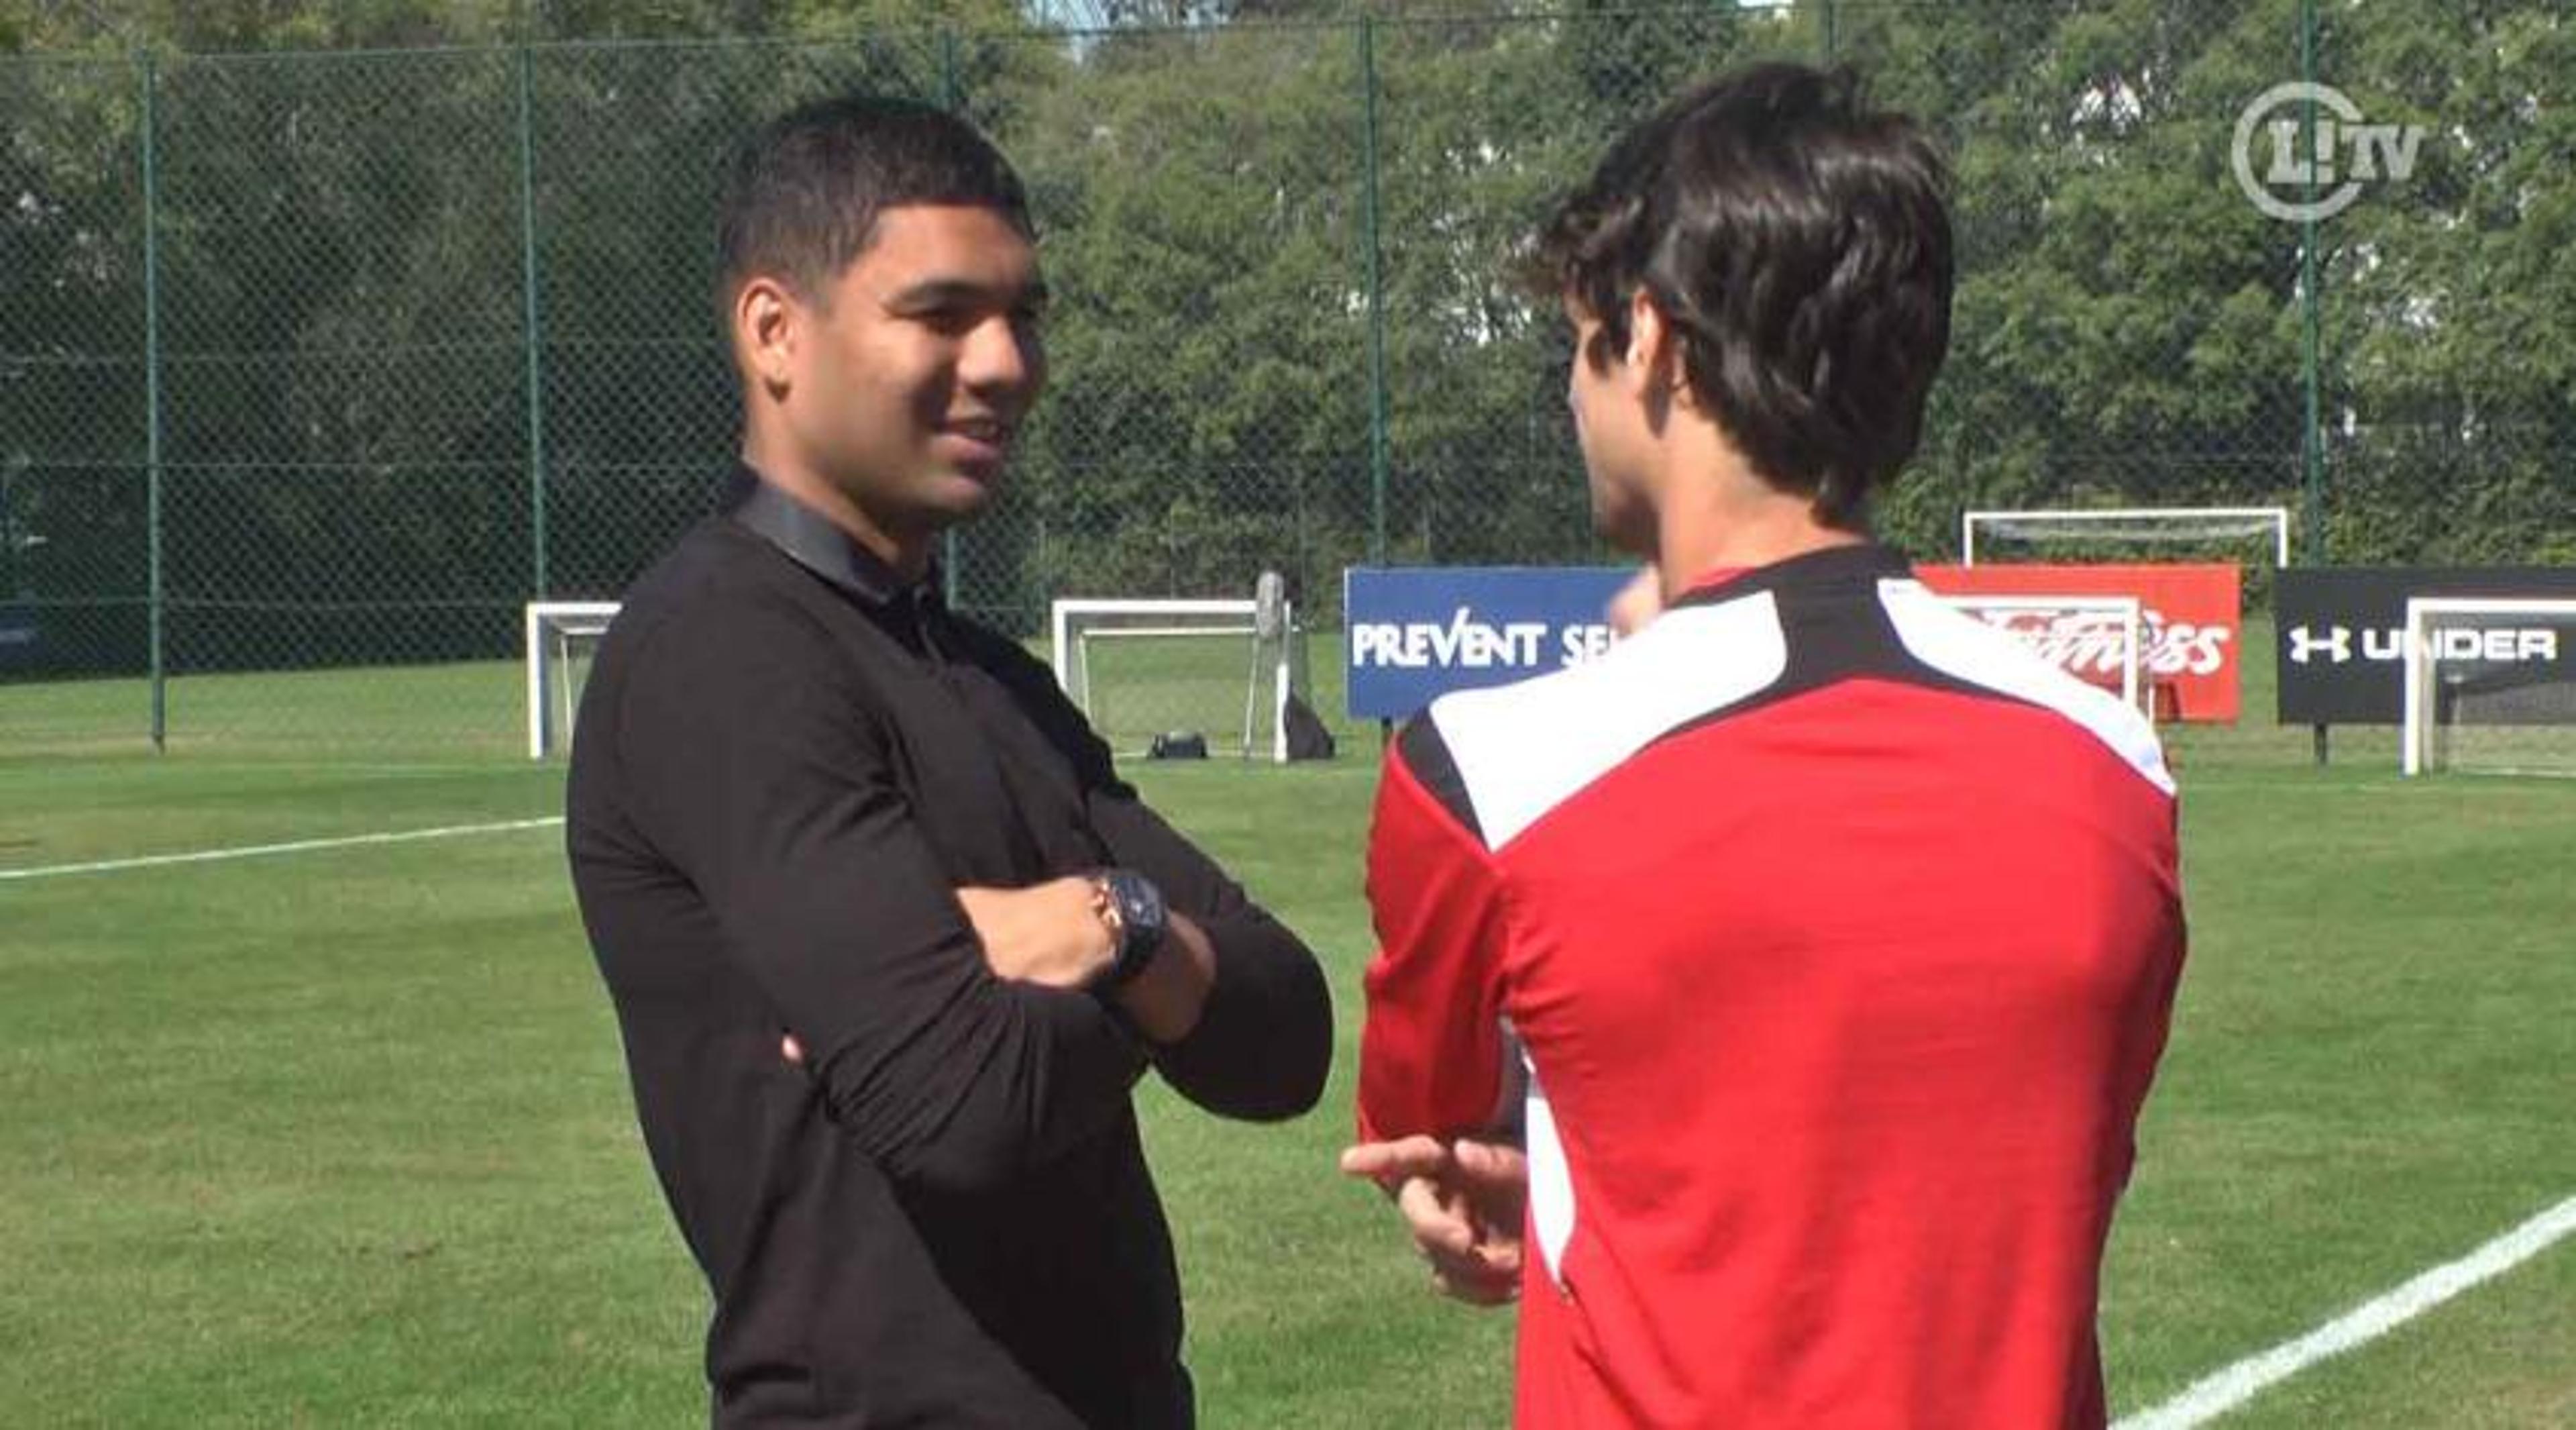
column 2191, row 628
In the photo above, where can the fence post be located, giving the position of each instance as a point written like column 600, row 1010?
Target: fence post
column 152, row 398
column 952, row 97
column 2311, row 433
column 1376, row 294
column 532, row 331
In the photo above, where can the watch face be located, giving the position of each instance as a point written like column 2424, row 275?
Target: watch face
column 1149, row 901
column 1140, row 917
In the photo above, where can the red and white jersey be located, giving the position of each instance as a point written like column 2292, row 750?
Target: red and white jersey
column 1827, row 940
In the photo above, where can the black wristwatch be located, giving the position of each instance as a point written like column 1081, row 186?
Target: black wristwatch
column 1134, row 910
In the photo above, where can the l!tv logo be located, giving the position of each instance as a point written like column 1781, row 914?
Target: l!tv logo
column 2296, row 168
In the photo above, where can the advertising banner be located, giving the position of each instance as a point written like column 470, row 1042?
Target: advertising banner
column 1415, row 633
column 2191, row 635
column 1418, row 632
column 2340, row 633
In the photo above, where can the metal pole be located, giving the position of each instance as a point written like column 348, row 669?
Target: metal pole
column 1378, row 459
column 534, row 333
column 152, row 401
column 2311, row 430
column 2311, row 433
column 952, row 96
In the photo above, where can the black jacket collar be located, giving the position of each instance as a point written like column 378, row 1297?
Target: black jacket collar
column 811, row 540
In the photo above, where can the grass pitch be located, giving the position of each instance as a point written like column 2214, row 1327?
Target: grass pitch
column 342, row 1136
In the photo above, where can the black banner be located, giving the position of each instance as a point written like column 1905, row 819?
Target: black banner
column 2340, row 633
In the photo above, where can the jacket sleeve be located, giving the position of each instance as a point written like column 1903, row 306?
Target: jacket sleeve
column 1264, row 1043
column 753, row 764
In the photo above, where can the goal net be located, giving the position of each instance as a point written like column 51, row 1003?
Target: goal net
column 2490, row 685
column 1220, row 670
column 561, row 635
column 2096, row 639
column 2082, row 535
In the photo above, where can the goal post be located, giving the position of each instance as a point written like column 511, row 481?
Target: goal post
column 2490, row 685
column 1223, row 669
column 2097, row 639
column 2162, row 526
column 559, row 639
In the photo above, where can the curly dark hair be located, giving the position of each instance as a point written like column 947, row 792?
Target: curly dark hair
column 1799, row 245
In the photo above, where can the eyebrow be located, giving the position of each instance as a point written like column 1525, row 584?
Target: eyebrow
column 944, row 292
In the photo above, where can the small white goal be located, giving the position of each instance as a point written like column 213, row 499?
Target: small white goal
column 1220, row 669
column 2052, row 532
column 2490, row 685
column 560, row 638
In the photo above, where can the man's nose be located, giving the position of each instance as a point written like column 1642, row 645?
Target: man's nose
column 1002, row 355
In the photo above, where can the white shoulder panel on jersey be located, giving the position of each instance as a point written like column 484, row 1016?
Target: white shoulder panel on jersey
column 1524, row 749
column 1551, row 1179
column 1969, row 650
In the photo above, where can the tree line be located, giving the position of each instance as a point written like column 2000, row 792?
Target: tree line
column 431, row 324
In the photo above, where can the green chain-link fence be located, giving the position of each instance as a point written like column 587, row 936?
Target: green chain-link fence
column 314, row 367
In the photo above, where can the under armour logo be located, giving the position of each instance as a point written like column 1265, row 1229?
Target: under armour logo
column 2304, row 644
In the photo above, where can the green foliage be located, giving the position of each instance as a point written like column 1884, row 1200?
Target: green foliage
column 344, row 334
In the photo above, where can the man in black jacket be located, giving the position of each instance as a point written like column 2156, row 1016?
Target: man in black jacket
column 889, row 941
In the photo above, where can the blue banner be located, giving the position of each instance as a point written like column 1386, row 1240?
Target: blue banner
column 20, row 636
column 1414, row 633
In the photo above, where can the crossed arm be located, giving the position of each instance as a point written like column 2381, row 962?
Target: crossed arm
column 947, row 1029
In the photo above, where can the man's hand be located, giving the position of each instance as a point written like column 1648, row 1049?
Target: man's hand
column 1055, row 934
column 1058, row 934
column 1051, row 933
column 1463, row 1200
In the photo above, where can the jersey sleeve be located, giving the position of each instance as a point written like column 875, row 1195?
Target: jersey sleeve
column 1432, row 1055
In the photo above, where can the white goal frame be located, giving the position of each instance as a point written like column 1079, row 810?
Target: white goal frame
column 1269, row 650
column 2132, row 614
column 549, row 629
column 2078, row 521
column 2416, row 735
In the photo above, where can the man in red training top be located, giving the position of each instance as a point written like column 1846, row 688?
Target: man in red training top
column 1815, row 947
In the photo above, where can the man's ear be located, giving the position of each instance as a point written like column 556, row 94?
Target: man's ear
column 1653, row 359
column 767, row 325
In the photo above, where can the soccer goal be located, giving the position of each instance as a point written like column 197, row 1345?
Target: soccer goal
column 560, row 638
column 2096, row 639
column 1222, row 670
column 2490, row 685
column 2055, row 532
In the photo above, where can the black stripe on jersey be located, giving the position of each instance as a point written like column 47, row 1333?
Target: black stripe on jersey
column 1426, row 754
column 1859, row 567
column 1835, row 627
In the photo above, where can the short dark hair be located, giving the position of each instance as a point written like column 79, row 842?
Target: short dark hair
column 1799, row 244
column 802, row 195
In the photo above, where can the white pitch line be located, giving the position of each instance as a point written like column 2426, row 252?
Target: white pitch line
column 2215, row 1395
column 255, row 851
